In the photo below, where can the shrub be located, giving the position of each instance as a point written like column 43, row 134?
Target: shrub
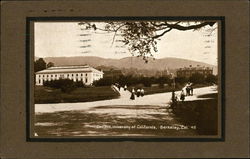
column 147, row 82
column 130, row 80
column 140, row 85
column 197, row 78
column 66, row 85
column 211, row 79
column 106, row 81
column 181, row 80
column 79, row 84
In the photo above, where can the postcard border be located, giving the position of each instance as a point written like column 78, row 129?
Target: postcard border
column 119, row 139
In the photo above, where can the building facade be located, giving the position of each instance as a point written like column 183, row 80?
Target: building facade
column 85, row 73
column 188, row 71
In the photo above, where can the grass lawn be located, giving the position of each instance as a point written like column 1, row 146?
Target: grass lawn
column 50, row 95
column 201, row 113
column 157, row 89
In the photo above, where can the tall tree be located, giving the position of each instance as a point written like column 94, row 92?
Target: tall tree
column 39, row 65
column 141, row 37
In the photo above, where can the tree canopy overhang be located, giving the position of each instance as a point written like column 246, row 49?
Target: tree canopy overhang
column 141, row 36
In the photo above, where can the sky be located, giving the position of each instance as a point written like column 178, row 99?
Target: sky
column 62, row 39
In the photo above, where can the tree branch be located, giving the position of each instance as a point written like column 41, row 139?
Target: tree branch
column 157, row 36
column 190, row 27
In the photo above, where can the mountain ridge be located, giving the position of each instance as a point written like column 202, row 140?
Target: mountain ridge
column 128, row 62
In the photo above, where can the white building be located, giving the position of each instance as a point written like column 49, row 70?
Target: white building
column 85, row 73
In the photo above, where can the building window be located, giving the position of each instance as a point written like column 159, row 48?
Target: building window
column 55, row 75
column 76, row 74
column 81, row 74
column 68, row 75
column 86, row 74
column 72, row 75
column 86, row 80
column 39, row 81
column 43, row 75
column 51, row 75
column 38, row 75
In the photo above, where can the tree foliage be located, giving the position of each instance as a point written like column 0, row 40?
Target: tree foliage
column 66, row 85
column 39, row 65
column 211, row 79
column 141, row 37
column 197, row 78
column 50, row 64
column 133, row 80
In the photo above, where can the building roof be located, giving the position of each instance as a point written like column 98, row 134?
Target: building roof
column 69, row 69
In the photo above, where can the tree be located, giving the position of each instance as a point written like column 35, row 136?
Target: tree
column 39, row 65
column 106, row 81
column 181, row 80
column 50, row 64
column 197, row 78
column 211, row 79
column 141, row 37
column 146, row 81
column 161, row 81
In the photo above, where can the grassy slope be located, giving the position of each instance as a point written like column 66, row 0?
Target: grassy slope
column 49, row 95
column 201, row 113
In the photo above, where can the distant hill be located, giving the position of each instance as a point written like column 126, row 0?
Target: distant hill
column 128, row 62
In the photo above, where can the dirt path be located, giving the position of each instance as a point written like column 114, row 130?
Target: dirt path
column 123, row 94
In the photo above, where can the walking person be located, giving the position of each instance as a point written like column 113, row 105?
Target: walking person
column 174, row 98
column 125, row 87
column 191, row 90
column 187, row 90
column 138, row 92
column 182, row 95
column 132, row 97
column 142, row 92
column 119, row 87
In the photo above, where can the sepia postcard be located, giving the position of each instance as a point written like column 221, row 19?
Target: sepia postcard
column 129, row 78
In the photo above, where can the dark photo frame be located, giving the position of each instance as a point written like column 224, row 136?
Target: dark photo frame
column 17, row 137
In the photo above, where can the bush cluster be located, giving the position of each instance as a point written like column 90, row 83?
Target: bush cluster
column 133, row 80
column 66, row 85
column 197, row 78
column 148, row 81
